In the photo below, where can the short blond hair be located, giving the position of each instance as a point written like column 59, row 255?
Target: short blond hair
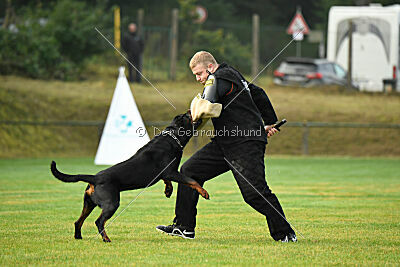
column 202, row 57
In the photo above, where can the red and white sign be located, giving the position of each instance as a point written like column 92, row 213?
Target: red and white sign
column 298, row 27
column 201, row 13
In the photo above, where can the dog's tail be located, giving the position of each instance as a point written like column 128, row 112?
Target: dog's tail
column 67, row 178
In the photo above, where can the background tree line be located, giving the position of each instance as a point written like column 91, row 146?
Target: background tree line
column 53, row 39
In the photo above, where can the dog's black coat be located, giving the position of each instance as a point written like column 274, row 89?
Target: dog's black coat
column 158, row 159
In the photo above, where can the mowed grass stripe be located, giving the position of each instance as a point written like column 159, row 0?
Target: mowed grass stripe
column 346, row 208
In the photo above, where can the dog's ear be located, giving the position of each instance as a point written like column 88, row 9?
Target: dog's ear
column 190, row 114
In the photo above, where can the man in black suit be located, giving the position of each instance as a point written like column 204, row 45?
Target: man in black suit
column 133, row 45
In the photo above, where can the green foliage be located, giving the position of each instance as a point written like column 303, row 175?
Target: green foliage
column 187, row 16
column 225, row 47
column 52, row 43
column 72, row 24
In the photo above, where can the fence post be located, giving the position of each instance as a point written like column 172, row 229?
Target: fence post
column 256, row 40
column 174, row 43
column 305, row 138
column 140, row 16
column 350, row 56
column 117, row 28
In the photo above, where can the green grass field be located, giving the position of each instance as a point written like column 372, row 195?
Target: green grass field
column 347, row 209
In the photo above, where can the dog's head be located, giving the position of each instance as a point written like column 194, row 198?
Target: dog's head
column 182, row 127
column 183, row 121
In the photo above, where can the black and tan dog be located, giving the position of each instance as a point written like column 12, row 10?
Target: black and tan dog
column 158, row 159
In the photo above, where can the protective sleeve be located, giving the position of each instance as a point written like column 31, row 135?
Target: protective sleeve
column 263, row 104
column 210, row 91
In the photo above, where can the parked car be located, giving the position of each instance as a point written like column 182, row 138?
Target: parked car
column 309, row 72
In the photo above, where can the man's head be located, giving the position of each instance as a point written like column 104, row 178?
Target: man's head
column 132, row 27
column 202, row 62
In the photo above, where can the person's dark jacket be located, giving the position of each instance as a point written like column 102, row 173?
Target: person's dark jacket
column 132, row 44
column 244, row 110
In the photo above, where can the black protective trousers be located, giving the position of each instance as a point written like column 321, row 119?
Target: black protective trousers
column 246, row 161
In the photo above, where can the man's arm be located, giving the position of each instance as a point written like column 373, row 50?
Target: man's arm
column 263, row 104
column 214, row 89
column 124, row 44
column 210, row 91
column 141, row 45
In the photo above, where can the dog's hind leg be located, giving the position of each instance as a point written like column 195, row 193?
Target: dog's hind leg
column 88, row 206
column 108, row 200
column 106, row 214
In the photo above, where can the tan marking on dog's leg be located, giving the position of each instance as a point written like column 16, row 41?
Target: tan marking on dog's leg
column 200, row 190
column 90, row 191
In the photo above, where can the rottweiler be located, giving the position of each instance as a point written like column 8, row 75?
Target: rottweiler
column 158, row 160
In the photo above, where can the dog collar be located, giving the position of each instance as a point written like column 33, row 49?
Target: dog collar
column 173, row 136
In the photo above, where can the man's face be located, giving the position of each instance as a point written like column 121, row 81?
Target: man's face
column 132, row 27
column 200, row 71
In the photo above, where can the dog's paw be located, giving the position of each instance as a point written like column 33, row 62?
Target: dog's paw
column 168, row 190
column 204, row 193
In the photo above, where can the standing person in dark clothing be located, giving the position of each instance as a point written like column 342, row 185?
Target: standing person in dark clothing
column 240, row 137
column 133, row 45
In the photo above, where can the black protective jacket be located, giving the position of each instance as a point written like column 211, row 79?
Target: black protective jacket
column 133, row 45
column 244, row 108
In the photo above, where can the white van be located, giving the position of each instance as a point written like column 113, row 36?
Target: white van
column 376, row 44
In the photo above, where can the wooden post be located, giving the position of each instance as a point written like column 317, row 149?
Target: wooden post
column 9, row 15
column 350, row 56
column 117, row 28
column 256, row 41
column 174, row 43
column 140, row 16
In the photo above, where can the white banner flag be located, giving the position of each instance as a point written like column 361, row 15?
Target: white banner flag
column 124, row 132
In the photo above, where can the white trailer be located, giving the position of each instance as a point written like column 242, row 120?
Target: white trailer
column 375, row 47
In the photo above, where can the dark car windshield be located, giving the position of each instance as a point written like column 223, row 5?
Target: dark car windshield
column 297, row 68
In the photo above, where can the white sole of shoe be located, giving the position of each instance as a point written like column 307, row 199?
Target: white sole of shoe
column 181, row 235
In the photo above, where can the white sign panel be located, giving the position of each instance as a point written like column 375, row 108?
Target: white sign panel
column 298, row 36
column 124, row 131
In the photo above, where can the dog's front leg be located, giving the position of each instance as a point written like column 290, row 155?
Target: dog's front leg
column 168, row 188
column 180, row 178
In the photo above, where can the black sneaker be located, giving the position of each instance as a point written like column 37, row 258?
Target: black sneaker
column 289, row 238
column 184, row 232
column 166, row 228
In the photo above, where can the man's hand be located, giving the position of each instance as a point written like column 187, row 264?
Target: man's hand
column 270, row 130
